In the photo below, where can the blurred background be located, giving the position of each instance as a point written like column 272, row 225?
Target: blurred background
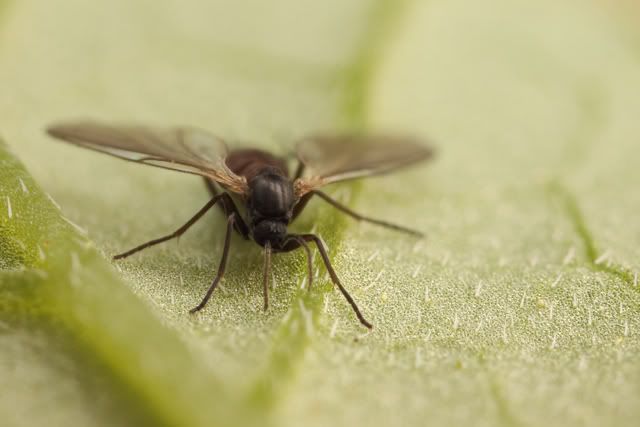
column 519, row 308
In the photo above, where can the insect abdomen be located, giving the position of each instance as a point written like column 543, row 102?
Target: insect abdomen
column 251, row 162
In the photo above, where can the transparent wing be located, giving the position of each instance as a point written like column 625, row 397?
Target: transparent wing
column 330, row 159
column 188, row 150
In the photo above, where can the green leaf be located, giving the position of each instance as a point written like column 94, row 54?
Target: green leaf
column 519, row 308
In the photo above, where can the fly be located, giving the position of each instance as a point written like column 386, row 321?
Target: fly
column 259, row 180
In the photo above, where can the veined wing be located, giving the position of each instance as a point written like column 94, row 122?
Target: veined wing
column 183, row 149
column 330, row 159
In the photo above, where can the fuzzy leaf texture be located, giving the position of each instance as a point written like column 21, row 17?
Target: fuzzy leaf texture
column 519, row 308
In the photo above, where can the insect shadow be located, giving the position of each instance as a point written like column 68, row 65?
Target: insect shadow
column 255, row 189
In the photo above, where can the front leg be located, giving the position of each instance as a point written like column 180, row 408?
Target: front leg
column 228, row 207
column 221, row 267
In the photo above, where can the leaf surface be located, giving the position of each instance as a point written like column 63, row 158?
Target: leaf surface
column 519, row 308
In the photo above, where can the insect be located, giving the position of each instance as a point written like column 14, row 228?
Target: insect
column 255, row 182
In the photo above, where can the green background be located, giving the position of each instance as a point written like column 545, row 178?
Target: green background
column 520, row 307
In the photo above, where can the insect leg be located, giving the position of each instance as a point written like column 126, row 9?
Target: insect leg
column 309, row 261
column 176, row 233
column 267, row 273
column 221, row 267
column 228, row 207
column 293, row 242
column 334, row 276
column 299, row 170
column 299, row 207
column 213, row 189
column 359, row 217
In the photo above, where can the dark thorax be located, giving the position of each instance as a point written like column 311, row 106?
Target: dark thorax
column 270, row 206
